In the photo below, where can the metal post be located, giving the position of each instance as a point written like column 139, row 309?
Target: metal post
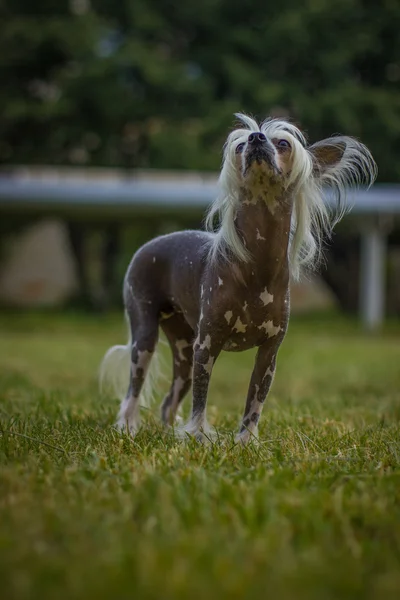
column 372, row 283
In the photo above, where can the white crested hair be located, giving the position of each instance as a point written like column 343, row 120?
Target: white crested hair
column 334, row 163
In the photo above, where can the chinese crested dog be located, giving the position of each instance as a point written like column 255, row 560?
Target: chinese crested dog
column 229, row 289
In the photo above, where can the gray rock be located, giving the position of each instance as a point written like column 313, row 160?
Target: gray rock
column 37, row 267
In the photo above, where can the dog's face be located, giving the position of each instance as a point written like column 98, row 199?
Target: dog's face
column 260, row 155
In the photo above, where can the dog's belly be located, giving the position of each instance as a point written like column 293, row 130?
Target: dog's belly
column 251, row 338
column 231, row 346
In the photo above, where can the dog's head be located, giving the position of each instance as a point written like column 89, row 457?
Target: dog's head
column 276, row 156
column 266, row 155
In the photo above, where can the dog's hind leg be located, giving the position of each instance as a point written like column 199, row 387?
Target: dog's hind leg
column 144, row 330
column 180, row 337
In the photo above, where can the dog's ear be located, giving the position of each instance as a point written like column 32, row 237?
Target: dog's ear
column 343, row 160
column 327, row 154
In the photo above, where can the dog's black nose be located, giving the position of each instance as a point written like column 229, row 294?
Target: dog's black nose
column 257, row 138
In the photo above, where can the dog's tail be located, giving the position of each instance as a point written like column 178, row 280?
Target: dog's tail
column 115, row 371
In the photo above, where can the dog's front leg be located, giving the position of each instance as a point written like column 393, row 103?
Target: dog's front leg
column 260, row 383
column 205, row 353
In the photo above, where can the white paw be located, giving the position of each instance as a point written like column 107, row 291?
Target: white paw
column 200, row 434
column 129, row 426
column 245, row 437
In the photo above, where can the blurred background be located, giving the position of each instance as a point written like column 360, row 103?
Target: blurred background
column 113, row 116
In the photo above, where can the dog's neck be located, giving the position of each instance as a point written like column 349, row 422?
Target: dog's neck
column 263, row 223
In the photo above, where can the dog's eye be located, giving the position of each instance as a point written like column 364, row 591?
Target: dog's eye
column 283, row 144
column 239, row 147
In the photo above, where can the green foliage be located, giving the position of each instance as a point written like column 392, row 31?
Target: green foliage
column 141, row 83
column 311, row 512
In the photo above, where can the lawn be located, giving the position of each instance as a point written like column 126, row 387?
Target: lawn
column 312, row 511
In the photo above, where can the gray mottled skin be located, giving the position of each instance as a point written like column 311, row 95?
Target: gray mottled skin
column 205, row 307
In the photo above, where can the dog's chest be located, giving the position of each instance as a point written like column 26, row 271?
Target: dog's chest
column 253, row 324
column 246, row 316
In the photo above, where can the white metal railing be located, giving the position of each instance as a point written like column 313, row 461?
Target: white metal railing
column 48, row 190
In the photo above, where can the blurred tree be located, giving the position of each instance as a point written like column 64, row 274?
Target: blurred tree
column 141, row 83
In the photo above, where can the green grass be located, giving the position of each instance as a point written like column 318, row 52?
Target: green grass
column 313, row 511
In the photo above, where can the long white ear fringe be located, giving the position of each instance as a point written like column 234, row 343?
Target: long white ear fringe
column 323, row 200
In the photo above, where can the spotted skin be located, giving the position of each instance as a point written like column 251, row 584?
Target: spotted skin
column 260, row 384
column 180, row 337
column 142, row 350
column 206, row 306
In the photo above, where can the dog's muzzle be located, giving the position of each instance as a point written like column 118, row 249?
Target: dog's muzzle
column 259, row 149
